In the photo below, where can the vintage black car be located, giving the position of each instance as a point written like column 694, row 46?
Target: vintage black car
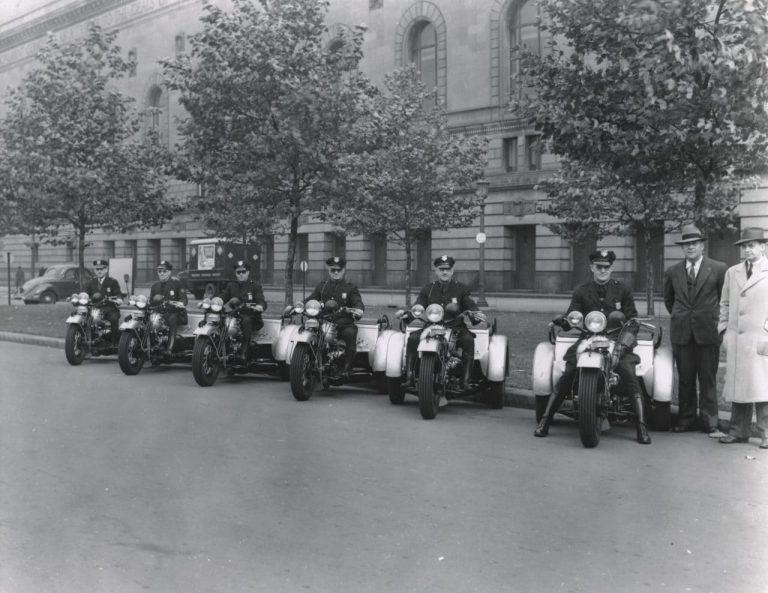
column 58, row 282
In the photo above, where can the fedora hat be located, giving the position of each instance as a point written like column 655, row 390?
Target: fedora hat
column 691, row 233
column 752, row 234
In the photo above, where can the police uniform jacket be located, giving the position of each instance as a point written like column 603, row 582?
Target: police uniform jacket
column 248, row 292
column 444, row 293
column 171, row 289
column 109, row 287
column 612, row 296
column 344, row 293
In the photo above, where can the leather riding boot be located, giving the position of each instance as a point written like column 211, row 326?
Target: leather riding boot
column 348, row 358
column 466, row 373
column 410, row 373
column 553, row 403
column 642, row 431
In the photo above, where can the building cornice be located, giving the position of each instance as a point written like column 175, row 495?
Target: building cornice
column 55, row 20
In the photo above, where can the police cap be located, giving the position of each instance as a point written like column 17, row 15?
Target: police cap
column 100, row 263
column 602, row 256
column 164, row 263
column 337, row 261
column 242, row 265
column 444, row 261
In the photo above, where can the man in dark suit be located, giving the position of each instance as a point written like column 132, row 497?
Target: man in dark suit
column 606, row 295
column 692, row 291
column 346, row 295
column 109, row 289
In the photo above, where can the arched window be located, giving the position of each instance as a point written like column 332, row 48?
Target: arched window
column 524, row 35
column 156, row 113
column 423, row 52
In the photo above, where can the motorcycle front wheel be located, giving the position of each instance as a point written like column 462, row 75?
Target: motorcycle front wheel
column 428, row 396
column 396, row 390
column 590, row 386
column 205, row 362
column 129, row 353
column 303, row 372
column 74, row 345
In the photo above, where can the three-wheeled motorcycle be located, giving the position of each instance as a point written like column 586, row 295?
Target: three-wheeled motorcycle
column 316, row 352
column 219, row 343
column 438, row 369
column 88, row 332
column 146, row 336
column 595, row 396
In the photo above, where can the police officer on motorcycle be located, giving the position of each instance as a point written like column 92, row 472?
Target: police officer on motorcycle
column 171, row 290
column 247, row 291
column 346, row 295
column 606, row 295
column 445, row 291
column 109, row 289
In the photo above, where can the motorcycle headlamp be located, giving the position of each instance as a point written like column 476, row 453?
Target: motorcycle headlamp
column 217, row 304
column 435, row 313
column 141, row 301
column 575, row 318
column 595, row 321
column 206, row 304
column 417, row 311
column 74, row 299
column 298, row 307
column 312, row 308
column 83, row 298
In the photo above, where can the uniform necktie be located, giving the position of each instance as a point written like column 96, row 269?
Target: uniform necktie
column 749, row 269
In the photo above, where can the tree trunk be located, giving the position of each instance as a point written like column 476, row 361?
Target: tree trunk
column 293, row 238
column 649, row 284
column 81, row 255
column 408, row 260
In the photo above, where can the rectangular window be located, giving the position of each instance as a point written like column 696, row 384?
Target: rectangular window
column 338, row 245
column 109, row 249
column 533, row 153
column 379, row 259
column 302, row 248
column 510, row 153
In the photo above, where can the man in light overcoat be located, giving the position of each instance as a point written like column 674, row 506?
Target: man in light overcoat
column 744, row 319
column 692, row 291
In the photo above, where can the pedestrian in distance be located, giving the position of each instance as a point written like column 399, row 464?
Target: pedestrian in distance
column 246, row 291
column 445, row 291
column 19, row 279
column 110, row 293
column 347, row 295
column 606, row 295
column 744, row 329
column 692, row 290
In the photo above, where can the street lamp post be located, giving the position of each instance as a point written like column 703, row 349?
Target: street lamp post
column 482, row 190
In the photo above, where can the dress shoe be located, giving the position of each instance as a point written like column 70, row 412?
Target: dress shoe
column 763, row 444
column 728, row 439
column 683, row 428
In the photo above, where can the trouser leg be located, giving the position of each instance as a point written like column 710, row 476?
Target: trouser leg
column 761, row 412
column 741, row 420
column 708, row 357
column 562, row 389
column 685, row 361
column 467, row 343
column 246, row 328
column 348, row 333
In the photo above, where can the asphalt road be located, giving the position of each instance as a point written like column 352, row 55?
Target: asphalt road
column 122, row 484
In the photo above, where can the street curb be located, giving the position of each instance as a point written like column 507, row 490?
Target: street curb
column 32, row 339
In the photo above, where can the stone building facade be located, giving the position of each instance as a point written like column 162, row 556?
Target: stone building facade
column 463, row 48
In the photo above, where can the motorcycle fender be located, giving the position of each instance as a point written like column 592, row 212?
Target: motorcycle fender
column 426, row 345
column 282, row 344
column 76, row 318
column 395, row 354
column 663, row 375
column 590, row 360
column 377, row 358
column 543, row 363
column 497, row 359
column 130, row 324
column 307, row 337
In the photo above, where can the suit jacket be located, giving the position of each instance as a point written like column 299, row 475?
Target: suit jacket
column 694, row 314
column 109, row 287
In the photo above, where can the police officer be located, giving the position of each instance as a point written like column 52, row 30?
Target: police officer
column 172, row 290
column 606, row 295
column 247, row 291
column 109, row 289
column 346, row 295
column 444, row 291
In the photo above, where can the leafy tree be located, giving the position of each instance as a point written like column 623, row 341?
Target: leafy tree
column 662, row 102
column 415, row 174
column 270, row 109
column 73, row 158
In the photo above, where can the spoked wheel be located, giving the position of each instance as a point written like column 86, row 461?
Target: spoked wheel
column 428, row 396
column 129, row 353
column 395, row 390
column 303, row 372
column 205, row 362
column 74, row 345
column 590, row 385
